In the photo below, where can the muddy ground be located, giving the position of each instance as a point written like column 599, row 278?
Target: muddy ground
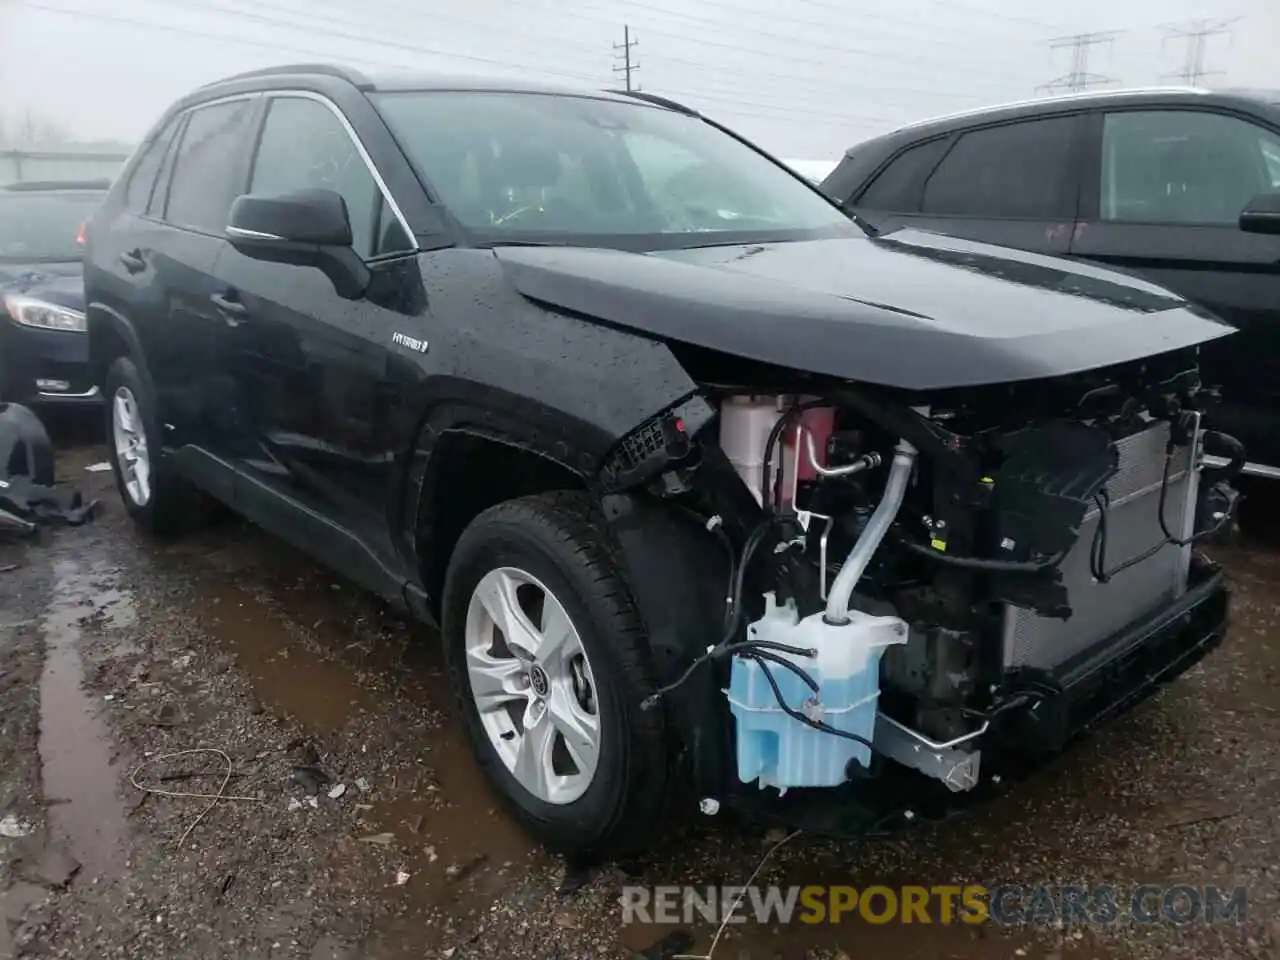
column 357, row 827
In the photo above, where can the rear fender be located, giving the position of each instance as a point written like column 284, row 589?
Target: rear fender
column 111, row 334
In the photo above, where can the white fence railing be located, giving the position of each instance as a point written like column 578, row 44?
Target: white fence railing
column 18, row 165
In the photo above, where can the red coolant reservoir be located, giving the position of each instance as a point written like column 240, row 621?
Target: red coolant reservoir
column 745, row 424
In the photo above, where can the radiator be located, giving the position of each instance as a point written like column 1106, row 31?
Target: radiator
column 1100, row 610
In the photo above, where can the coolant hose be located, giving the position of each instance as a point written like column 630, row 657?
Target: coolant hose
column 904, row 459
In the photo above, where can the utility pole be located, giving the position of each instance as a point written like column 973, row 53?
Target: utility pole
column 623, row 52
column 1196, row 34
column 1078, row 77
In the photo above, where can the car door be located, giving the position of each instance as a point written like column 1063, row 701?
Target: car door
column 167, row 257
column 1015, row 183
column 1163, row 197
column 313, row 372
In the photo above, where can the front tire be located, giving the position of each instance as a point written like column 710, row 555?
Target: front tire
column 158, row 499
column 549, row 664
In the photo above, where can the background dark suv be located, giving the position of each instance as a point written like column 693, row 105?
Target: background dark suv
column 1179, row 185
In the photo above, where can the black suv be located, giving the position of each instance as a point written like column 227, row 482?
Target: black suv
column 1179, row 185
column 714, row 493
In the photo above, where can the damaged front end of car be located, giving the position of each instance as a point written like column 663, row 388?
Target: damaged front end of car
column 862, row 599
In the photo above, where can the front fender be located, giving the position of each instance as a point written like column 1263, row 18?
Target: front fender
column 678, row 574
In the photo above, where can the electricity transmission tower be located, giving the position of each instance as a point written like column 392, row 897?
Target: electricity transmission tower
column 626, row 67
column 1197, row 34
column 1078, row 77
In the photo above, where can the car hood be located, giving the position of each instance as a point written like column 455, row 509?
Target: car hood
column 60, row 283
column 906, row 309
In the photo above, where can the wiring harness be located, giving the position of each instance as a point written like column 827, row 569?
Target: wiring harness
column 762, row 652
column 1098, row 548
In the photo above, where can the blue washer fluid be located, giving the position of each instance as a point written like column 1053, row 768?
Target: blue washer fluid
column 780, row 751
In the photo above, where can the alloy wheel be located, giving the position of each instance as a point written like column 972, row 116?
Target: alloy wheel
column 532, row 684
column 130, row 439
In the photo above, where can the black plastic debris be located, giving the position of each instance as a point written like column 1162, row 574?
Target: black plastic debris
column 14, row 527
column 576, row 876
column 311, row 778
column 29, row 496
column 25, row 449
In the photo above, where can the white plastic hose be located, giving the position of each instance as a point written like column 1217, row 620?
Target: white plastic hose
column 855, row 565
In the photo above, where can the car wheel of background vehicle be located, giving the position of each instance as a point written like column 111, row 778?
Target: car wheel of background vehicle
column 157, row 498
column 549, row 664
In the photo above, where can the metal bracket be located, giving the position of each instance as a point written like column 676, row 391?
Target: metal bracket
column 957, row 769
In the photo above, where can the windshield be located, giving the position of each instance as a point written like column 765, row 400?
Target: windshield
column 37, row 227
column 570, row 169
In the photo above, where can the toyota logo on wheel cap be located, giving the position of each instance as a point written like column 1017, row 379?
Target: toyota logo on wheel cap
column 538, row 681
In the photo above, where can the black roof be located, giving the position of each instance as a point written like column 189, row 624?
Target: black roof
column 1074, row 102
column 53, row 186
column 402, row 81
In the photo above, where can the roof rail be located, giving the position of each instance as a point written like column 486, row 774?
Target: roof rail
column 1083, row 95
column 656, row 100
column 354, row 77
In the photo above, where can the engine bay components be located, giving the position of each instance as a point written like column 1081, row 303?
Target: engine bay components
column 915, row 569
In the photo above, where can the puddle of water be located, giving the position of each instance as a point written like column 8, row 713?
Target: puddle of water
column 849, row 937
column 443, row 814
column 321, row 695
column 454, row 812
column 75, row 745
column 454, row 822
column 13, row 903
column 116, row 608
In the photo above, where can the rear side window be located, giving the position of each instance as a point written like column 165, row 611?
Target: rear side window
column 207, row 167
column 1184, row 166
column 899, row 187
column 143, row 178
column 1017, row 171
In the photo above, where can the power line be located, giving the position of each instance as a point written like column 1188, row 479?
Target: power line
column 784, row 113
column 856, row 87
column 1197, row 34
column 201, row 34
column 623, row 50
column 770, row 51
column 790, row 111
column 827, row 26
column 1078, row 77
column 207, row 6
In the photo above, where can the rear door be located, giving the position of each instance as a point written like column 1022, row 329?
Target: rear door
column 121, row 237
column 169, row 254
column 1016, row 184
column 1162, row 197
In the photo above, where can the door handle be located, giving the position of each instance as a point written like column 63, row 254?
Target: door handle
column 132, row 260
column 233, row 311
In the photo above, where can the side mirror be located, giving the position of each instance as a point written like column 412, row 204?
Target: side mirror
column 1262, row 214
column 307, row 228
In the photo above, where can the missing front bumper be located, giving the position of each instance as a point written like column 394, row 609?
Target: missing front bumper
column 1101, row 683
column 1110, row 677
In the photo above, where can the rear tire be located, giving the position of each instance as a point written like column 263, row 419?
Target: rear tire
column 155, row 495
column 550, row 550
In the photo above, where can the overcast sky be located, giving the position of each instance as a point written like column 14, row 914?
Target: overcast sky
column 805, row 78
